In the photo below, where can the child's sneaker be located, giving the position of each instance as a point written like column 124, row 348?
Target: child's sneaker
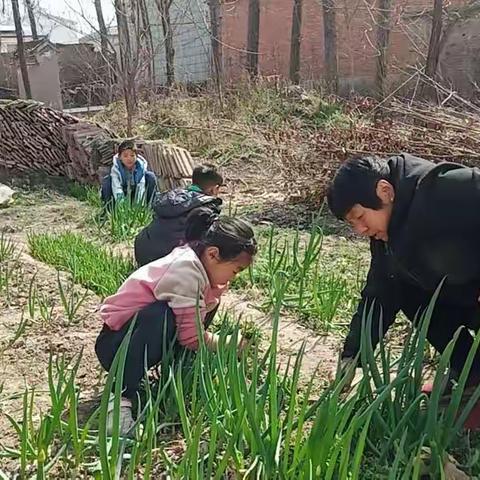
column 126, row 421
column 473, row 419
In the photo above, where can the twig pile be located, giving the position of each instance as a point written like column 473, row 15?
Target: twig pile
column 434, row 133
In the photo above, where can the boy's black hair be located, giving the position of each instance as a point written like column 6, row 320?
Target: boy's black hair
column 356, row 182
column 206, row 175
column 126, row 145
column 231, row 236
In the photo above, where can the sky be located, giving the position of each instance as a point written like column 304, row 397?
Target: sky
column 69, row 9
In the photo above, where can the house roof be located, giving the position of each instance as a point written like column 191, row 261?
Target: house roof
column 95, row 36
column 37, row 46
column 9, row 30
column 30, row 47
column 41, row 13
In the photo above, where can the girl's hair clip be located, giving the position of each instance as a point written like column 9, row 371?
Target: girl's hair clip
column 250, row 244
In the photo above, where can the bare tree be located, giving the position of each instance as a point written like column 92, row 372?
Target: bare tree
column 102, row 27
column 216, row 39
column 433, row 56
column 253, row 37
column 31, row 17
column 163, row 7
column 383, row 40
column 127, row 69
column 330, row 45
column 349, row 11
column 127, row 63
column 295, row 41
column 21, row 48
column 107, row 50
column 147, row 40
column 123, row 33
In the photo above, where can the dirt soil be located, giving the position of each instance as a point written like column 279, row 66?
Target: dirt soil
column 24, row 364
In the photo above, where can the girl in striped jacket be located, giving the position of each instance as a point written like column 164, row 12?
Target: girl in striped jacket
column 165, row 295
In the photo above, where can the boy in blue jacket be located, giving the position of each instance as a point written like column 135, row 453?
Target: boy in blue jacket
column 129, row 178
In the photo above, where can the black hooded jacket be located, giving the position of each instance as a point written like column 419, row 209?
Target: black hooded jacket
column 434, row 233
column 167, row 229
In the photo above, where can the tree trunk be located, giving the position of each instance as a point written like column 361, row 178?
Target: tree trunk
column 330, row 39
column 434, row 47
column 102, row 29
column 21, row 48
column 169, row 48
column 31, row 17
column 383, row 39
column 123, row 34
column 216, row 41
column 147, row 33
column 127, row 74
column 253, row 37
column 433, row 56
column 163, row 7
column 108, row 54
column 295, row 41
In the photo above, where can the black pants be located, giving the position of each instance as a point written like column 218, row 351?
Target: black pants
column 445, row 321
column 154, row 328
column 106, row 192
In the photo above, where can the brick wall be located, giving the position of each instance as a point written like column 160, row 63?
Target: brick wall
column 191, row 38
column 356, row 32
column 459, row 60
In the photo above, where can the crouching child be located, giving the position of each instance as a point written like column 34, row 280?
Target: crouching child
column 129, row 178
column 171, row 210
column 164, row 296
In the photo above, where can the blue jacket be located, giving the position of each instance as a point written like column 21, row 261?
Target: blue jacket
column 123, row 180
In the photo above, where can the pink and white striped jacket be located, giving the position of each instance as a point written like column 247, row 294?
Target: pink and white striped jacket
column 178, row 279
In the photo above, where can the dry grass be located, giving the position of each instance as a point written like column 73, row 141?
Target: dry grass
column 303, row 134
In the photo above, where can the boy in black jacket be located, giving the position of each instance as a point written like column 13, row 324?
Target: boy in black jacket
column 171, row 209
column 423, row 221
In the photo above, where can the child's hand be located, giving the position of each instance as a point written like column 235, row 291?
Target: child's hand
column 242, row 345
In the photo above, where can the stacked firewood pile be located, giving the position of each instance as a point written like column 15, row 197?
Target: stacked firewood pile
column 88, row 147
column 173, row 165
column 433, row 133
column 37, row 138
column 31, row 137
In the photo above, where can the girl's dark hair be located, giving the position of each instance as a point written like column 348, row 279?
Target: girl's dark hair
column 231, row 236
